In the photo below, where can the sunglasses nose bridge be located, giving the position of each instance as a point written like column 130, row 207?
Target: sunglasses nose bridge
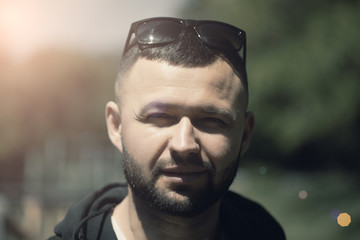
column 189, row 23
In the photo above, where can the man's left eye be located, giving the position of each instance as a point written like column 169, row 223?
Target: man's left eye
column 211, row 122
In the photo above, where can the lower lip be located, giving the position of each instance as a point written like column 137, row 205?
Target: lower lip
column 183, row 178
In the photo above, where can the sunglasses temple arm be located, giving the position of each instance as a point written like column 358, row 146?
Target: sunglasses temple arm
column 127, row 43
column 244, row 51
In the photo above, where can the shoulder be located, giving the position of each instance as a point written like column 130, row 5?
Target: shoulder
column 92, row 209
column 244, row 217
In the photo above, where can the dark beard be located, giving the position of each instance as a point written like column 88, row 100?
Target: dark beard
column 196, row 200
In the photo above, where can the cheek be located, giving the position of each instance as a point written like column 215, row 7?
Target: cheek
column 145, row 144
column 222, row 150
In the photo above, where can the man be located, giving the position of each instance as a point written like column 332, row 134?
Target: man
column 180, row 119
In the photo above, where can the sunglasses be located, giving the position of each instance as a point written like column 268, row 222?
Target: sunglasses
column 160, row 31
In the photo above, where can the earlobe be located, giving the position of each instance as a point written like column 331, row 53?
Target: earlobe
column 113, row 122
column 248, row 130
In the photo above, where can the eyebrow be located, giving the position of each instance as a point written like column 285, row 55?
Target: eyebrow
column 213, row 110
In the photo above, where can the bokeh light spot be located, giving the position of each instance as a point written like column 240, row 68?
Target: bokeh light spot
column 344, row 219
column 335, row 213
column 262, row 170
column 303, row 194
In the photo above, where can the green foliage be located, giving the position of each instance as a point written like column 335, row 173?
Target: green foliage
column 309, row 218
column 303, row 69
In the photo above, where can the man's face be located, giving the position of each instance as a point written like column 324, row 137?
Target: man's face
column 181, row 133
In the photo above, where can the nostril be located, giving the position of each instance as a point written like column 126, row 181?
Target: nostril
column 175, row 156
column 183, row 159
column 184, row 148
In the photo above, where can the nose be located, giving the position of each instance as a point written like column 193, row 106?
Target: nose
column 183, row 140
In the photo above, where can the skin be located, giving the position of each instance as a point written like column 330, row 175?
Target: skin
column 174, row 121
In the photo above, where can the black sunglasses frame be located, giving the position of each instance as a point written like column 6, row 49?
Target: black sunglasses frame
column 195, row 24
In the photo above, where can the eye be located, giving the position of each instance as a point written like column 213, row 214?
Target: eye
column 211, row 122
column 161, row 119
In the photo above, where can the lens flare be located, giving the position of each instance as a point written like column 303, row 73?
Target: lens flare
column 262, row 170
column 335, row 213
column 303, row 194
column 344, row 219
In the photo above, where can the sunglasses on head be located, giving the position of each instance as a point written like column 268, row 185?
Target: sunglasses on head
column 161, row 31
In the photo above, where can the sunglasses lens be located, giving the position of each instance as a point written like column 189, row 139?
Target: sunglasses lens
column 158, row 31
column 221, row 36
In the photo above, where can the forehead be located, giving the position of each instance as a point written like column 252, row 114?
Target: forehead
column 158, row 81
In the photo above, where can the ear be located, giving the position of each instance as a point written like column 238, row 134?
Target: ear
column 113, row 122
column 248, row 130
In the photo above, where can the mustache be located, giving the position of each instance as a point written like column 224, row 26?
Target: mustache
column 192, row 161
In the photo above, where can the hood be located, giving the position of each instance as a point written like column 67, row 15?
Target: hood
column 82, row 217
column 240, row 217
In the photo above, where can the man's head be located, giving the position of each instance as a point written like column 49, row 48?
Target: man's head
column 186, row 43
column 181, row 123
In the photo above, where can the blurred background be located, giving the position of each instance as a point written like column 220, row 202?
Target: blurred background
column 58, row 62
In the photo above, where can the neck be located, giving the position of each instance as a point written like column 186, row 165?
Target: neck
column 141, row 222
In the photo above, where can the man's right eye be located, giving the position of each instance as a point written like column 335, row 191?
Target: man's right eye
column 161, row 119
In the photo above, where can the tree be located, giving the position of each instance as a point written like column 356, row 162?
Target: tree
column 303, row 69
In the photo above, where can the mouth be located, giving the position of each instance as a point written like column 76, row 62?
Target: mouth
column 183, row 176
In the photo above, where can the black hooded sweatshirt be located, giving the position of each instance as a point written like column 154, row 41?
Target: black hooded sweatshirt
column 90, row 219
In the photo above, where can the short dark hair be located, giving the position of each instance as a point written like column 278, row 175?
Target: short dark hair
column 187, row 51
